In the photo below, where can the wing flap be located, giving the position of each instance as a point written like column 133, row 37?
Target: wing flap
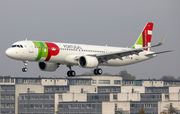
column 119, row 54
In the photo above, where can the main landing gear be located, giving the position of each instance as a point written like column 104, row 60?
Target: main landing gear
column 98, row 71
column 25, row 64
column 71, row 73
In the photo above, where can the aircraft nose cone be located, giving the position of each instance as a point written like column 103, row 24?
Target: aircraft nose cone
column 9, row 53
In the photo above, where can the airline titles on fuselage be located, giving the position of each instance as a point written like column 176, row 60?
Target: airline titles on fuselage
column 72, row 47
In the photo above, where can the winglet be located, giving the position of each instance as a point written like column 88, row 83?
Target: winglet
column 162, row 41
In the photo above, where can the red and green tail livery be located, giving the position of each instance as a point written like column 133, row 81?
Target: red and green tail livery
column 144, row 39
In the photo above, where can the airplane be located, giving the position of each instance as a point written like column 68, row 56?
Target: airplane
column 51, row 55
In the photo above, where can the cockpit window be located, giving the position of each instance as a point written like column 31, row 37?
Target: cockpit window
column 19, row 46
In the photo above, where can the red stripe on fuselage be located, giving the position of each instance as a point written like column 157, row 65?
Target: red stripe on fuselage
column 53, row 50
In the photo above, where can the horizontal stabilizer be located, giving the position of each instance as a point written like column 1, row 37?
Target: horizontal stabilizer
column 159, row 52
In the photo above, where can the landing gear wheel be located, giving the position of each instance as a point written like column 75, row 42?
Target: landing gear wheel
column 100, row 71
column 71, row 73
column 25, row 64
column 97, row 71
column 24, row 69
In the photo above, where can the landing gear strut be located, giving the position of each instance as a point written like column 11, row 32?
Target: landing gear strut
column 70, row 73
column 25, row 64
column 98, row 71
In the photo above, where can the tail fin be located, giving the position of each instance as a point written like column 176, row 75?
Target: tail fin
column 144, row 39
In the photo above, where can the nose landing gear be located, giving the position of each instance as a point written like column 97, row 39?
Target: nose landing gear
column 25, row 64
column 24, row 69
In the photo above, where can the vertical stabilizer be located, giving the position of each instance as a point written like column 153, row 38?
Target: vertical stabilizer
column 144, row 39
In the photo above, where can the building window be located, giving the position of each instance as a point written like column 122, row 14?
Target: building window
column 51, row 97
column 157, row 89
column 115, row 97
column 95, row 90
column 60, row 106
column 115, row 106
column 132, row 90
column 104, row 81
column 28, row 90
column 87, row 81
column 60, row 97
column 93, row 81
column 82, row 82
column 77, row 81
column 167, row 97
column 81, row 90
column 131, row 82
column 7, row 80
column 1, row 80
column 109, row 89
column 12, row 80
column 117, row 82
column 138, row 83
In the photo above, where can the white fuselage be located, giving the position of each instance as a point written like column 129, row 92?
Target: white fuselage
column 64, row 53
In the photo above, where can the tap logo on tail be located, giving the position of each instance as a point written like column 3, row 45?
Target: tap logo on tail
column 144, row 39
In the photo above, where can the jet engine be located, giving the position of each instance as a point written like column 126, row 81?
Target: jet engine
column 48, row 66
column 88, row 62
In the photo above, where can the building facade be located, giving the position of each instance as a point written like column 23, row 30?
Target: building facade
column 86, row 95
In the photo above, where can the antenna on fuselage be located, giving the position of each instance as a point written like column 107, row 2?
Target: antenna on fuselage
column 26, row 39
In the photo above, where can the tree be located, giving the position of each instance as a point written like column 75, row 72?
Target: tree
column 168, row 78
column 170, row 109
column 163, row 112
column 106, row 74
column 142, row 111
column 88, row 73
column 126, row 75
column 178, row 78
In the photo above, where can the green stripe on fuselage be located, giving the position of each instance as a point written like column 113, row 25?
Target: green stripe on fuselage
column 42, row 50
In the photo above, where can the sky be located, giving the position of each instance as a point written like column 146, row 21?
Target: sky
column 97, row 22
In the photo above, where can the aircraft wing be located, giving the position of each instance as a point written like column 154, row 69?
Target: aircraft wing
column 119, row 54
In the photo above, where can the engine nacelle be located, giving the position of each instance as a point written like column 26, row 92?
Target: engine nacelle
column 88, row 62
column 48, row 66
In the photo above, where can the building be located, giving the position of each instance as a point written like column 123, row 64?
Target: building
column 86, row 95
